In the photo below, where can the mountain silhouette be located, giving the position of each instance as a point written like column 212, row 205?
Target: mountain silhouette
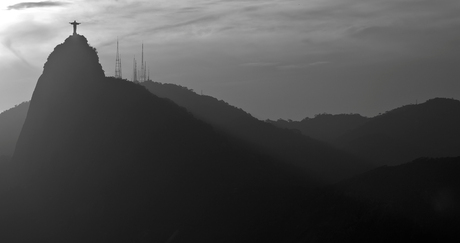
column 324, row 127
column 101, row 159
column 318, row 159
column 398, row 136
column 11, row 122
column 429, row 129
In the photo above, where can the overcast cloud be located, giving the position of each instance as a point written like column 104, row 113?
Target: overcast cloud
column 289, row 58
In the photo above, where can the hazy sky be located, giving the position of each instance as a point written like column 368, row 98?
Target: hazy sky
column 272, row 58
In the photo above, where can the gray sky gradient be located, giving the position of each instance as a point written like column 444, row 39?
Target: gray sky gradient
column 273, row 58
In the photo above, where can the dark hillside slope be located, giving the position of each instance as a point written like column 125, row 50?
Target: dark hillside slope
column 316, row 158
column 103, row 160
column 430, row 129
column 11, row 122
column 415, row 202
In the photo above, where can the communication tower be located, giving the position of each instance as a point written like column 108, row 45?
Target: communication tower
column 118, row 73
column 134, row 70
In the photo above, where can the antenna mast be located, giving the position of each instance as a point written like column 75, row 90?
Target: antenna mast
column 142, row 73
column 118, row 73
column 134, row 70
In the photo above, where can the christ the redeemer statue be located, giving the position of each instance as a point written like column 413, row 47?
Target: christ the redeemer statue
column 74, row 23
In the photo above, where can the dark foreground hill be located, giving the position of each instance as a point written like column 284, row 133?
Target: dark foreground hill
column 103, row 160
column 11, row 122
column 318, row 159
column 415, row 202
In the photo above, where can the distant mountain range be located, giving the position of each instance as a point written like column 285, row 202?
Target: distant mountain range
column 319, row 160
column 429, row 129
column 324, row 127
column 425, row 130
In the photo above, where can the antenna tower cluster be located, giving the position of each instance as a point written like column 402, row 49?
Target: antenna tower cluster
column 138, row 75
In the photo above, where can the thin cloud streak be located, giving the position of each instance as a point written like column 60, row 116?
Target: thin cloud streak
column 26, row 5
column 302, row 66
column 259, row 64
column 284, row 66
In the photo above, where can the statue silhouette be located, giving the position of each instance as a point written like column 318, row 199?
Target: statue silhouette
column 74, row 23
